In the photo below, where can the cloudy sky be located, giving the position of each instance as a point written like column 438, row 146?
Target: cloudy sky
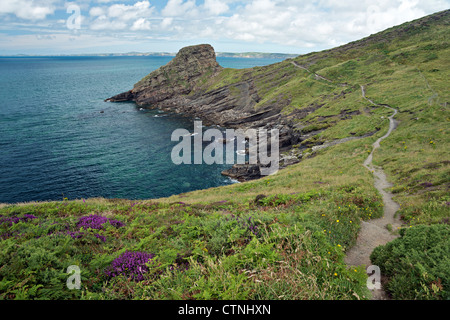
column 288, row 26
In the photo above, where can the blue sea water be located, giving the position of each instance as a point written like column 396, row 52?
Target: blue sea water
column 59, row 139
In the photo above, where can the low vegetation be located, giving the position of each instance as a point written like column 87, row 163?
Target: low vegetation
column 275, row 247
column 418, row 263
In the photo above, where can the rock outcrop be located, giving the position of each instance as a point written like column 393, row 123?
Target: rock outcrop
column 175, row 79
column 177, row 87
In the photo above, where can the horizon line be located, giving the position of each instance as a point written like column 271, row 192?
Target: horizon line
column 138, row 53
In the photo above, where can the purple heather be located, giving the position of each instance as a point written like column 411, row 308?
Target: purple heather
column 131, row 264
column 13, row 220
column 96, row 222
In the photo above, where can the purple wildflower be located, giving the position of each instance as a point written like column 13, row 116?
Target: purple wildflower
column 96, row 222
column 131, row 264
column 103, row 238
column 27, row 217
column 116, row 223
column 14, row 219
column 92, row 221
column 75, row 234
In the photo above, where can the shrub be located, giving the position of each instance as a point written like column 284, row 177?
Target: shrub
column 96, row 222
column 417, row 263
column 131, row 264
column 9, row 221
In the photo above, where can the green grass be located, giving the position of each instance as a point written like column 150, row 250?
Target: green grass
column 406, row 68
column 424, row 271
column 230, row 249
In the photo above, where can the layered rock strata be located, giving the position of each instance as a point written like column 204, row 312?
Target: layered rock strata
column 177, row 87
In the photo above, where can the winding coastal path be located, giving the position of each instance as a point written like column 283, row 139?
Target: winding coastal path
column 375, row 232
column 306, row 69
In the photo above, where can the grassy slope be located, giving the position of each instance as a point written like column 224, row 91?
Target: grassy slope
column 407, row 71
column 293, row 245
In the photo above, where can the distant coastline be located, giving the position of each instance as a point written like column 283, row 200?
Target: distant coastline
column 256, row 55
column 248, row 55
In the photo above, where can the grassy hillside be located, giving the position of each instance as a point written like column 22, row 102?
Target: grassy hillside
column 283, row 236
column 406, row 67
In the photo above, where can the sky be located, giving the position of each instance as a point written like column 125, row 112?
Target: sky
column 118, row 26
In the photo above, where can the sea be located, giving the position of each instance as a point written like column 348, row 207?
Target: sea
column 59, row 139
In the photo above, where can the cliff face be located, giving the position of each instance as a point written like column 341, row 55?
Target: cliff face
column 176, row 78
column 179, row 86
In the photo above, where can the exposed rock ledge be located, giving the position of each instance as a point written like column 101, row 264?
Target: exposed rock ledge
column 177, row 87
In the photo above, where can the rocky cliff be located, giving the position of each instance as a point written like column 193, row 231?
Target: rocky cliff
column 175, row 79
column 179, row 86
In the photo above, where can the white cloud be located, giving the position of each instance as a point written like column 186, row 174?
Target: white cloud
column 216, row 7
column 26, row 9
column 122, row 17
column 180, row 8
column 140, row 24
column 166, row 22
column 128, row 12
column 96, row 11
column 378, row 18
column 302, row 24
column 323, row 23
column 298, row 24
column 103, row 23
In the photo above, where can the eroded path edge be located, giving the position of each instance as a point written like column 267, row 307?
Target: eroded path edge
column 375, row 232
